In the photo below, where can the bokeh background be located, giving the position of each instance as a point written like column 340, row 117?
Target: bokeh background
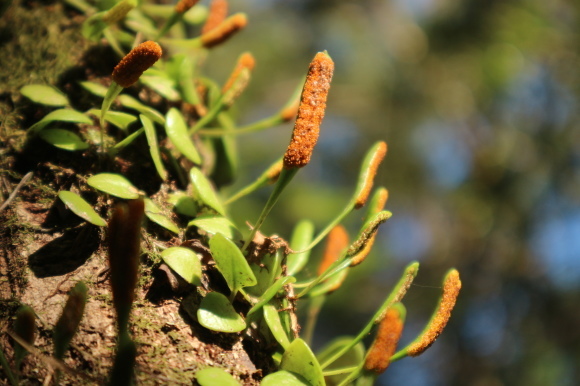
column 478, row 101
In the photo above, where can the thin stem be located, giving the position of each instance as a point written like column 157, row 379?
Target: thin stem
column 210, row 116
column 339, row 371
column 285, row 177
column 9, row 374
column 313, row 311
column 352, row 376
column 260, row 125
column 395, row 296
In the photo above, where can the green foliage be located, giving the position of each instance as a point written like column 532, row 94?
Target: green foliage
column 44, row 95
column 114, row 184
column 194, row 156
column 185, row 262
column 214, row 376
column 81, row 208
column 217, row 313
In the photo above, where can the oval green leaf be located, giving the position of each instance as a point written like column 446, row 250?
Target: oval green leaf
column 114, row 184
column 272, row 317
column 213, row 376
column 117, row 118
column 231, row 263
column 299, row 359
column 162, row 85
column 61, row 115
column 213, row 225
column 284, row 378
column 155, row 214
column 301, row 238
column 204, row 190
column 94, row 88
column 185, row 262
column 44, row 94
column 177, row 132
column 63, row 139
column 217, row 313
column 81, row 208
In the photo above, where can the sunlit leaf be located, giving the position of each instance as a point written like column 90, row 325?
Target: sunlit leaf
column 44, row 95
column 155, row 214
column 63, row 139
column 217, row 313
column 81, row 208
column 117, row 118
column 162, row 85
column 185, row 262
column 177, row 132
column 94, row 88
column 153, row 146
column 231, row 263
column 114, row 184
column 272, row 317
column 213, row 376
column 213, row 224
column 283, row 378
column 204, row 190
column 299, row 359
column 301, row 238
column 61, row 115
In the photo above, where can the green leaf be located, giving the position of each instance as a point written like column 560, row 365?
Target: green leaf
column 126, row 142
column 213, row 376
column 301, row 238
column 183, row 203
column 153, row 146
column 299, row 359
column 155, row 214
column 204, row 190
column 117, row 118
column 61, row 115
column 162, row 85
column 94, row 88
column 272, row 317
column 284, row 378
column 177, row 132
column 81, row 208
column 217, row 313
column 213, row 224
column 231, row 263
column 63, row 139
column 44, row 95
column 185, row 262
column 134, row 104
column 114, row 184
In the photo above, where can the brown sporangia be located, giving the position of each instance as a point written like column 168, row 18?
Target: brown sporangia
column 139, row 59
column 310, row 112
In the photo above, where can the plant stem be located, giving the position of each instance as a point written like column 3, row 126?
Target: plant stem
column 395, row 296
column 285, row 177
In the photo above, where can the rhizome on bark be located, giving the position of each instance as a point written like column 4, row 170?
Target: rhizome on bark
column 45, row 249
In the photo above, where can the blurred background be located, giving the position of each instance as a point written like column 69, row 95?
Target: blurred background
column 478, row 102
